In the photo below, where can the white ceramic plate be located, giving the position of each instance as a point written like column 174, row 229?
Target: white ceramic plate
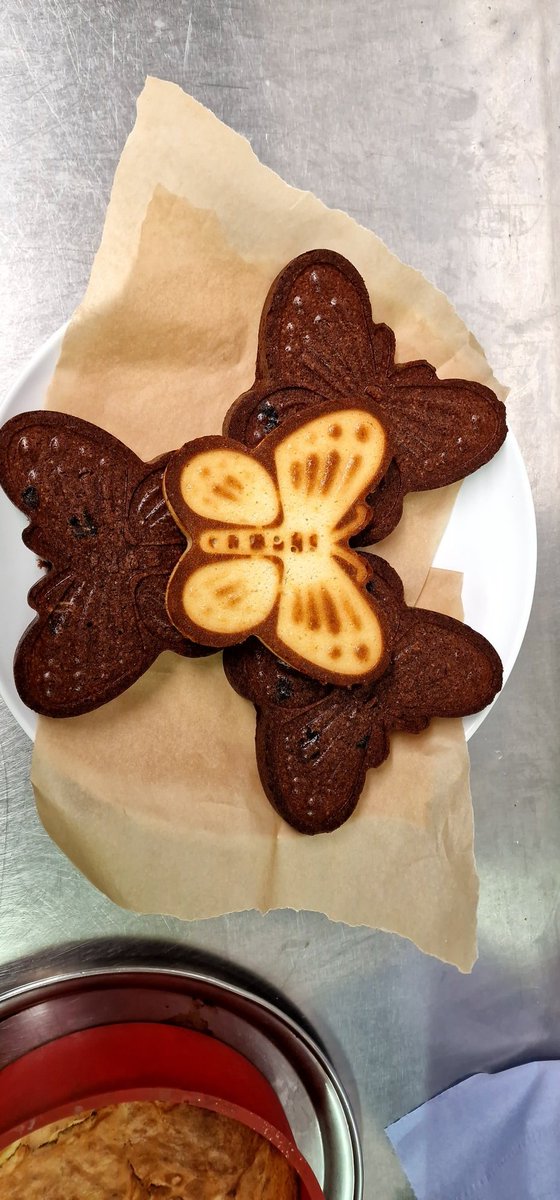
column 491, row 538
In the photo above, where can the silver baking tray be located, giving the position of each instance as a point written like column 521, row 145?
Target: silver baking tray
column 306, row 1083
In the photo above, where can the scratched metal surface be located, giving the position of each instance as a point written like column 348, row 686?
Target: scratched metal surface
column 435, row 124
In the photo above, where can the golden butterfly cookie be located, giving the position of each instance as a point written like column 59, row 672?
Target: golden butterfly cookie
column 268, row 535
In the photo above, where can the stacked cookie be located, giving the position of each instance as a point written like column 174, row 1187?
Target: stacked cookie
column 250, row 542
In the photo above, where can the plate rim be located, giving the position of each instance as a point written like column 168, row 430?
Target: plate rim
column 472, row 723
column 27, row 720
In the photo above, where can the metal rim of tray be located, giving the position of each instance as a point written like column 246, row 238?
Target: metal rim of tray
column 333, row 1147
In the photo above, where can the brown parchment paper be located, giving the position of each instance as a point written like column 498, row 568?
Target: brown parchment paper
column 156, row 796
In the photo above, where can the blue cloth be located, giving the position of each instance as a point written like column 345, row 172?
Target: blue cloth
column 493, row 1137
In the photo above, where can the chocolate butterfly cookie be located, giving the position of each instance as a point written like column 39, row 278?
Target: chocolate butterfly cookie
column 318, row 343
column 99, row 522
column 314, row 743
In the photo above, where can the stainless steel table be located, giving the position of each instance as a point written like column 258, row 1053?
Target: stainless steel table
column 433, row 123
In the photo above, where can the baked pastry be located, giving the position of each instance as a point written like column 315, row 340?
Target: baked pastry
column 268, row 542
column 146, row 1149
column 318, row 343
column 99, row 523
column 315, row 743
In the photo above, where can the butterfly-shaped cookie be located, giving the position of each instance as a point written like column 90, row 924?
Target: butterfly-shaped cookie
column 99, row 522
column 315, row 743
column 268, row 533
column 318, row 343
column 98, row 518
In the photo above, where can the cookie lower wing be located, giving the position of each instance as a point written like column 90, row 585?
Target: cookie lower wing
column 313, row 772
column 313, row 742
column 440, row 668
column 84, row 647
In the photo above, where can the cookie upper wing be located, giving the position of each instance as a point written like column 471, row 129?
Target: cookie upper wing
column 441, row 429
column 96, row 520
column 317, row 343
